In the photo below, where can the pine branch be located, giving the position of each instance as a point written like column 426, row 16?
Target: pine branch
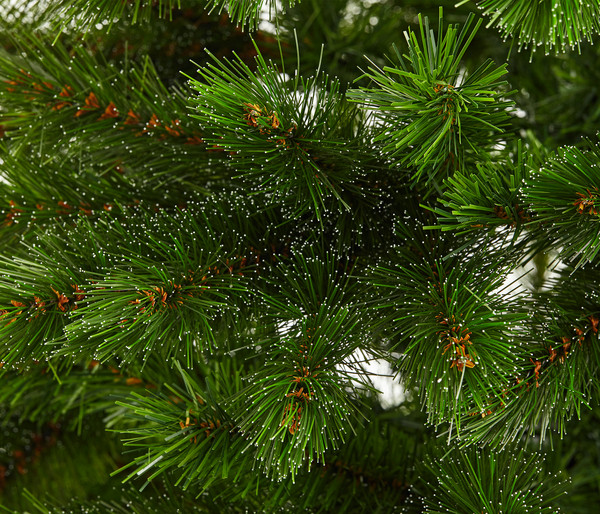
column 60, row 390
column 42, row 194
column 155, row 294
column 558, row 377
column 375, row 469
column 83, row 15
column 185, row 429
column 311, row 367
column 475, row 480
column 456, row 334
column 117, row 123
column 248, row 12
column 127, row 499
column 566, row 198
column 558, row 24
column 487, row 200
column 294, row 139
column 306, row 397
column 433, row 117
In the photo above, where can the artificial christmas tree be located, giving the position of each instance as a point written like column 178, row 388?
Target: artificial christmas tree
column 223, row 223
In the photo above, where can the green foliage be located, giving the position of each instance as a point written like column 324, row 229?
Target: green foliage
column 561, row 24
column 488, row 199
column 78, row 390
column 121, row 143
column 248, row 12
column 52, row 459
column 337, row 35
column 565, row 196
column 453, row 327
column 556, row 380
column 313, row 368
column 122, row 500
column 223, row 272
column 565, row 99
column 185, row 429
column 86, row 14
column 165, row 277
column 294, row 140
column 435, row 117
column 488, row 482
